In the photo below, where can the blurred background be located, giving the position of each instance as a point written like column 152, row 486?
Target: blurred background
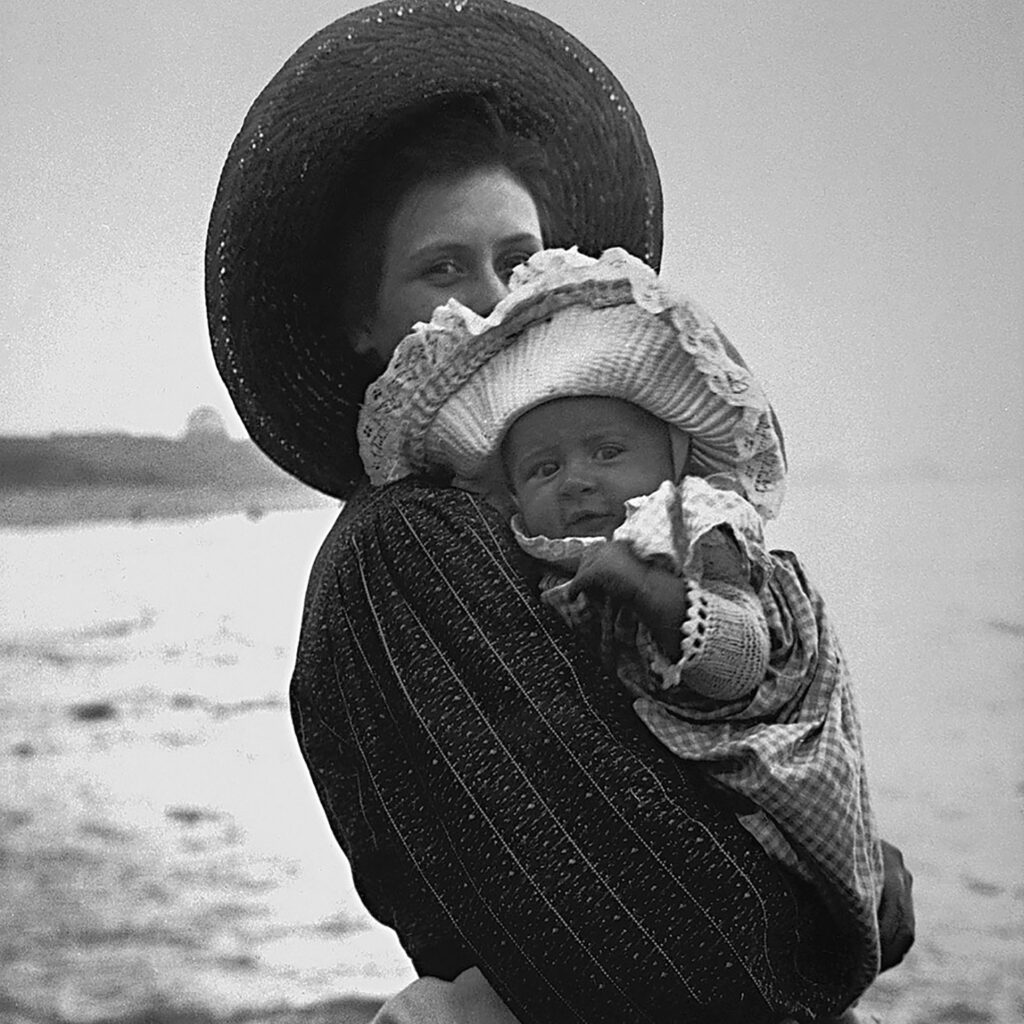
column 844, row 194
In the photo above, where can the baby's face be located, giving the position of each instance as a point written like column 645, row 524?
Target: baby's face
column 573, row 462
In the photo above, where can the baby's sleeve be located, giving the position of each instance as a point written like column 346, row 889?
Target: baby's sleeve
column 724, row 643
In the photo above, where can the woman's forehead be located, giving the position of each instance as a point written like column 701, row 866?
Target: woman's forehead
column 448, row 211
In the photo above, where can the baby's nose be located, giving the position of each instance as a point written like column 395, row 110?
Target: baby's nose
column 576, row 480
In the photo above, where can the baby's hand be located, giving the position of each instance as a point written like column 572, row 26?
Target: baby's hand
column 577, row 611
column 611, row 570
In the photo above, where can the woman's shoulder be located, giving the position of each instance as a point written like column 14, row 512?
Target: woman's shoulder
column 416, row 502
column 381, row 522
column 411, row 545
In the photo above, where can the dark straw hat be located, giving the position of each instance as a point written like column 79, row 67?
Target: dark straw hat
column 293, row 381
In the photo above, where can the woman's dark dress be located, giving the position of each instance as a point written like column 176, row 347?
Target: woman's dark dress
column 502, row 805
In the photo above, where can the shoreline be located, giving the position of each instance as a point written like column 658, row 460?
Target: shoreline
column 344, row 1010
column 58, row 506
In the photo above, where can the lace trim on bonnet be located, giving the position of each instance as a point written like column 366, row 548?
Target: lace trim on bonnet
column 437, row 358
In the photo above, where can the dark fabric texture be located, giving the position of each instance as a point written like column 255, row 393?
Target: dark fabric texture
column 501, row 803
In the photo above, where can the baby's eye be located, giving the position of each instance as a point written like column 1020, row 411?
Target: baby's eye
column 607, row 451
column 543, row 470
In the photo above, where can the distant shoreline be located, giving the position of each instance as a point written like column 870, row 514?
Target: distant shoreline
column 34, row 507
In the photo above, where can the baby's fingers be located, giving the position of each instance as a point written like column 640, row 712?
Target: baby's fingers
column 557, row 596
column 578, row 610
column 574, row 609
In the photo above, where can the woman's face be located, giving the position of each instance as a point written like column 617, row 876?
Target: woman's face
column 450, row 238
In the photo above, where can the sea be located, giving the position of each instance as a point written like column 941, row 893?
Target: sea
column 163, row 856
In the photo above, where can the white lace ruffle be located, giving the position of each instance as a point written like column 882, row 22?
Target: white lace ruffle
column 564, row 552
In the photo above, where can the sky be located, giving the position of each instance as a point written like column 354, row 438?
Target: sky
column 844, row 195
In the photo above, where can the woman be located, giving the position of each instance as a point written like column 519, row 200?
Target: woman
column 498, row 803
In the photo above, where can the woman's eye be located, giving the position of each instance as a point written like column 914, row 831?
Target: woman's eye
column 442, row 270
column 509, row 261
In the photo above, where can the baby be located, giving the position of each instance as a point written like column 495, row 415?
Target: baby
column 683, row 571
column 639, row 457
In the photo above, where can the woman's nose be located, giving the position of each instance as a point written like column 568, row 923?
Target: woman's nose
column 486, row 290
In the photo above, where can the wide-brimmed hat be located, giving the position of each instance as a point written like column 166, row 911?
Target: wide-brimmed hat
column 570, row 326
column 294, row 382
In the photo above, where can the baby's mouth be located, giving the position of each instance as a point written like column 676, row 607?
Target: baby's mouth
column 590, row 524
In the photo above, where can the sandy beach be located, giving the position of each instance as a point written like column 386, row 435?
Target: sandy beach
column 163, row 857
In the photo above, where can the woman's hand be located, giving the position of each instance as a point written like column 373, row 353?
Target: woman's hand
column 896, row 908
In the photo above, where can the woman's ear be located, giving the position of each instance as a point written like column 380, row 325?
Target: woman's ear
column 361, row 340
column 365, row 343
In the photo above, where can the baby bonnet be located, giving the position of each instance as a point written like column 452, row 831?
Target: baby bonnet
column 571, row 325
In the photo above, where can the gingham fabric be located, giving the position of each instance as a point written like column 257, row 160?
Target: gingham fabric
column 792, row 744
column 501, row 804
column 793, row 747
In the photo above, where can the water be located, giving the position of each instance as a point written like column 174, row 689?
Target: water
column 927, row 584
column 162, row 851
column 162, row 846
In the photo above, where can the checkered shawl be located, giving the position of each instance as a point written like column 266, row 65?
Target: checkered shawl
column 793, row 747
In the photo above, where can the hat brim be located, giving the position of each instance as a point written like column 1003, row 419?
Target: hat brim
column 297, row 389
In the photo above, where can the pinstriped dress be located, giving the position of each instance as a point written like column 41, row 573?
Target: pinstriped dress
column 502, row 805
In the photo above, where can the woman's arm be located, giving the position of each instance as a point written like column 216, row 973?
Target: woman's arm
column 498, row 798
